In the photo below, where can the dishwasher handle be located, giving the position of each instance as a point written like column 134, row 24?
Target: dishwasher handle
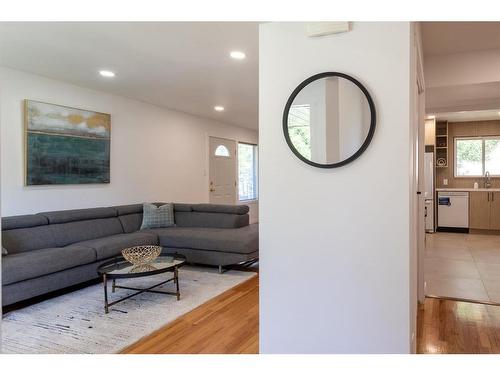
column 444, row 201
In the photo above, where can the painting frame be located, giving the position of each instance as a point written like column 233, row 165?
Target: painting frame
column 106, row 179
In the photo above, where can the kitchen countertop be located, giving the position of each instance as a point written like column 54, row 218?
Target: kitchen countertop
column 467, row 189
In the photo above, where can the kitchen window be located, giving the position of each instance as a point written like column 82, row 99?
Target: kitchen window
column 476, row 156
column 247, row 172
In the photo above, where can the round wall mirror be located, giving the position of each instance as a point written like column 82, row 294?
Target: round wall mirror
column 329, row 120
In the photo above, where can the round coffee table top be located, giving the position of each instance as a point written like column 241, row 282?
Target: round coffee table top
column 119, row 268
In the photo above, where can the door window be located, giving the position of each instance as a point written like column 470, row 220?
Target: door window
column 222, row 150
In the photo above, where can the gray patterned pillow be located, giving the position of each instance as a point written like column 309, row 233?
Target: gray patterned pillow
column 4, row 251
column 157, row 217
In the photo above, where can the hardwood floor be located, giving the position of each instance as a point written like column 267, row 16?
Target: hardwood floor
column 227, row 324
column 446, row 326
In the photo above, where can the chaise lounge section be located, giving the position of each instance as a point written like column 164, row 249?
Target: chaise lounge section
column 53, row 250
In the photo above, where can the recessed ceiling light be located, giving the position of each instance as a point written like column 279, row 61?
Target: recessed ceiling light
column 499, row 113
column 107, row 73
column 238, row 55
column 219, row 108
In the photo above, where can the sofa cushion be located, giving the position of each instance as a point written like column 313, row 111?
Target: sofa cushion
column 23, row 221
column 111, row 246
column 137, row 208
column 77, row 231
column 210, row 220
column 131, row 223
column 157, row 216
column 221, row 208
column 27, row 239
column 66, row 216
column 128, row 209
column 183, row 207
column 31, row 264
column 236, row 240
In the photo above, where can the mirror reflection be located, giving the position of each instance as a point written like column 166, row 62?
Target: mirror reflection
column 329, row 120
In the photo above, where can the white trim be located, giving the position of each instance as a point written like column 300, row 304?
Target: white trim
column 420, row 58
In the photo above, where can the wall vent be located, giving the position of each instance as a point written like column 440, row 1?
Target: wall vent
column 315, row 29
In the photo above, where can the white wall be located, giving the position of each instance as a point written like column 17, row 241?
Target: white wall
column 156, row 154
column 335, row 244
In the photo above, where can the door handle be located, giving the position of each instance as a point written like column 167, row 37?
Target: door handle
column 211, row 188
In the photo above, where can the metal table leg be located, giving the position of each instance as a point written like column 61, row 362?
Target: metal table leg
column 105, row 284
column 176, row 280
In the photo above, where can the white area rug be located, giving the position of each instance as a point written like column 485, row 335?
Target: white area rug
column 76, row 323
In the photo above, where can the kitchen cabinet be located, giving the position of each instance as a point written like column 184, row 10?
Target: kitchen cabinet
column 495, row 211
column 484, row 210
column 479, row 210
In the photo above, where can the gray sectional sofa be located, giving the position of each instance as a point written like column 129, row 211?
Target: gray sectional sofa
column 49, row 251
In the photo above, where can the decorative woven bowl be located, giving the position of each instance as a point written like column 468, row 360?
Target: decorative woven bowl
column 140, row 255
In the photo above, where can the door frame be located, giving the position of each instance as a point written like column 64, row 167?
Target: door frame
column 420, row 167
column 416, row 198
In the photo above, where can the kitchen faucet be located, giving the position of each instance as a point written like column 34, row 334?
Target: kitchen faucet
column 487, row 180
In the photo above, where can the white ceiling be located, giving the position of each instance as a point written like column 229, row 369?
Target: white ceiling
column 440, row 38
column 179, row 65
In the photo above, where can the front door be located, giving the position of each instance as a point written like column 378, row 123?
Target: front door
column 222, row 171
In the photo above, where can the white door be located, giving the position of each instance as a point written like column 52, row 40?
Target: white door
column 222, row 171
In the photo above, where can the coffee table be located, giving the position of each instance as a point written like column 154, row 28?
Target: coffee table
column 119, row 268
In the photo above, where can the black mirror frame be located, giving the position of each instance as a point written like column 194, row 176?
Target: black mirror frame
column 371, row 131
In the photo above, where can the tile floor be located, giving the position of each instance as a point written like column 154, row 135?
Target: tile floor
column 463, row 266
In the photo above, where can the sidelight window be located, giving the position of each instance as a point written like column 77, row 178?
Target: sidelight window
column 247, row 171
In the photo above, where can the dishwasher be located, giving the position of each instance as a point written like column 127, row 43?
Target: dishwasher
column 453, row 209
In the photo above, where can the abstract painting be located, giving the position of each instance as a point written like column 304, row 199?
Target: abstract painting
column 66, row 145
